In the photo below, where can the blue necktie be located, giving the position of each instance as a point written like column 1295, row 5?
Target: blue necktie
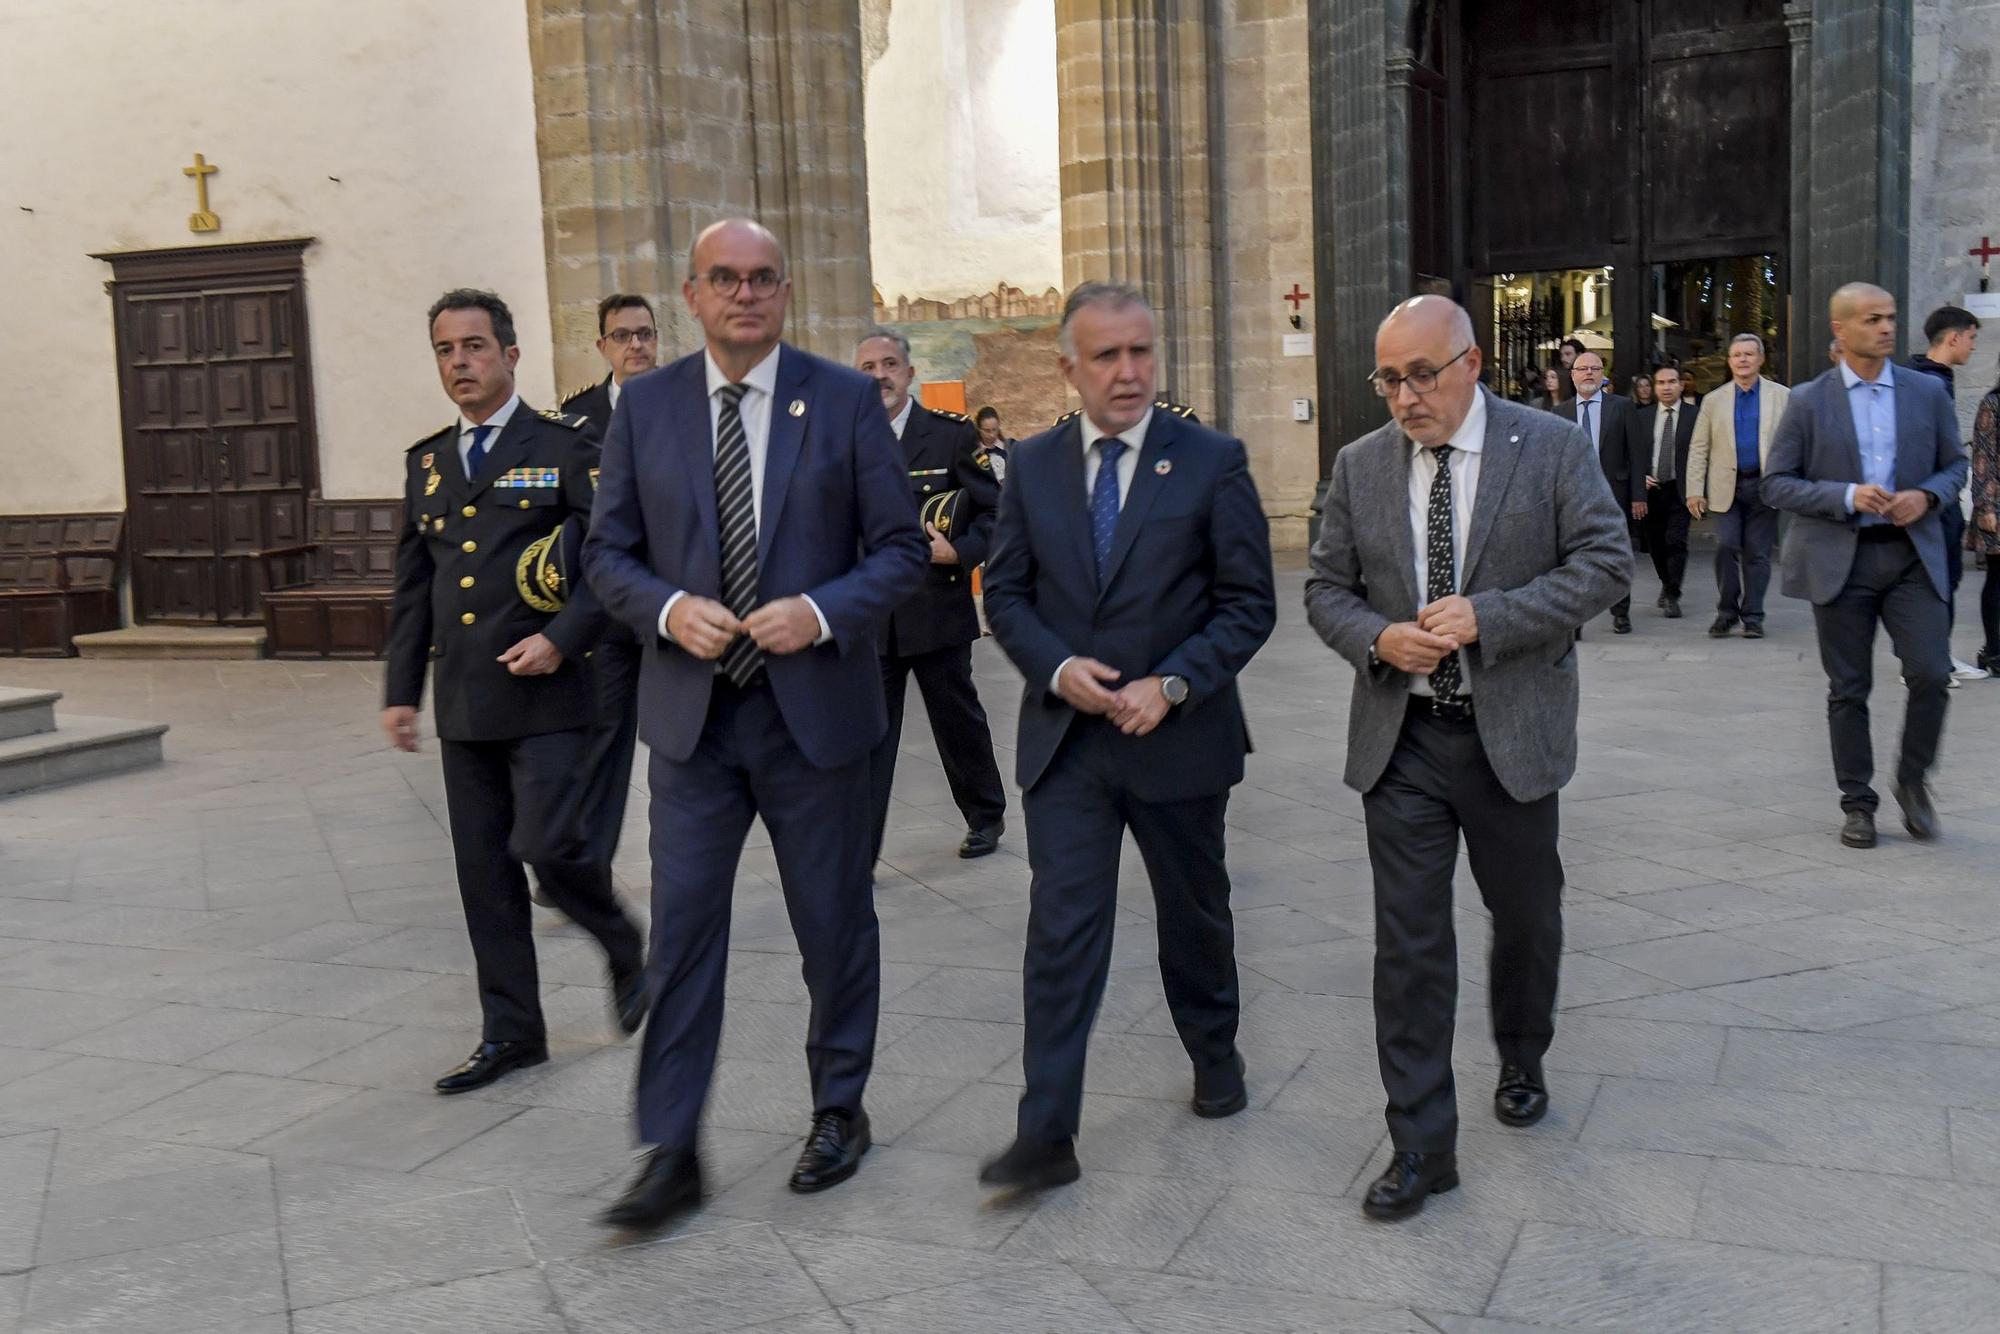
column 477, row 454
column 1104, row 499
column 1586, row 406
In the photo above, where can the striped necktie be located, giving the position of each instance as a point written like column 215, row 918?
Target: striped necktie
column 736, row 516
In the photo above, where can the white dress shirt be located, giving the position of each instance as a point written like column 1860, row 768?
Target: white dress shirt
column 1128, row 468
column 902, row 419
column 1596, row 415
column 498, row 421
column 754, row 411
column 1466, row 444
column 1663, row 445
column 615, row 390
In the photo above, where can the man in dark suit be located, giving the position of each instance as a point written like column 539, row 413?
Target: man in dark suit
column 1130, row 582
column 754, row 527
column 1865, row 459
column 1461, row 546
column 1661, row 432
column 1606, row 419
column 510, row 693
column 931, row 635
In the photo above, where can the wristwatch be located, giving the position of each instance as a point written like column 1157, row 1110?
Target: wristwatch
column 1175, row 688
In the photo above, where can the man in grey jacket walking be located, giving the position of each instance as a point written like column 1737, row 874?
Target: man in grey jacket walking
column 1462, row 545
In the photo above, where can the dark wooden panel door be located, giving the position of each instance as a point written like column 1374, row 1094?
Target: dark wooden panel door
column 219, row 443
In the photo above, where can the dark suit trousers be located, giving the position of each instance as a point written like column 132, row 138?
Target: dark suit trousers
column 747, row 765
column 1887, row 585
column 614, row 667
column 958, row 723
column 1745, row 535
column 1438, row 784
column 1664, row 532
column 1077, row 817
column 512, row 802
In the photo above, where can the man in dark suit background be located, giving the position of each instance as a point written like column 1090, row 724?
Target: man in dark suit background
column 510, row 692
column 931, row 635
column 1130, row 582
column 1866, row 458
column 1661, row 432
column 754, row 527
column 1606, row 419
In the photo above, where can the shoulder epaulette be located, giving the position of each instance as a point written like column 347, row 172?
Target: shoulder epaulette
column 572, row 395
column 575, row 421
column 951, row 416
column 1073, row 412
column 447, row 427
column 1178, row 409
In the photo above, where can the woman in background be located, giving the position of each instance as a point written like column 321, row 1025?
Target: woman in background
column 1982, row 535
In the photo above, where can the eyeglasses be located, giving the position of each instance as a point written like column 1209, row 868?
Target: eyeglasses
column 1388, row 384
column 727, row 282
column 624, row 336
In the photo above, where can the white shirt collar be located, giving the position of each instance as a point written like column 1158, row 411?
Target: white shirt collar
column 1136, row 437
column 614, row 389
column 1850, row 379
column 1470, row 437
column 902, row 419
column 498, row 421
column 762, row 377
column 1591, row 398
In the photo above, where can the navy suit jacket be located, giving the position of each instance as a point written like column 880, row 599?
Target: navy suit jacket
column 1187, row 592
column 1815, row 455
column 838, row 525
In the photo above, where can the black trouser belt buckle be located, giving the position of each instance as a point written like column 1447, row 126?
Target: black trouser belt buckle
column 1458, row 708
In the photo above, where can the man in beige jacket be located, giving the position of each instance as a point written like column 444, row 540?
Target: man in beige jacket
column 1725, row 469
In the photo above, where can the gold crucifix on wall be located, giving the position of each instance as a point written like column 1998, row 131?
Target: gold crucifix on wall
column 201, row 220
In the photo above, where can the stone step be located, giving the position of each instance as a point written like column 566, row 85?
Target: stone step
column 82, row 748
column 27, row 712
column 174, row 641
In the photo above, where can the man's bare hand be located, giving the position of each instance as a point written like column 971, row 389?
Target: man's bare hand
column 1638, row 509
column 1652, row 483
column 1138, row 706
column 1080, row 684
column 1450, row 618
column 1408, row 647
column 399, row 724
column 784, row 626
column 1697, row 506
column 942, row 551
column 702, row 626
column 537, row 655
column 1906, row 507
column 1871, row 499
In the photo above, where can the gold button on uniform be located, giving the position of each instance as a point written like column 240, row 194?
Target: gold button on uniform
column 469, row 511
column 468, row 546
column 465, row 581
column 467, row 619
column 524, row 504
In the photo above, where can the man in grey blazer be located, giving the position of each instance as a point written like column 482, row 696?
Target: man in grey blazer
column 1866, row 457
column 1462, row 545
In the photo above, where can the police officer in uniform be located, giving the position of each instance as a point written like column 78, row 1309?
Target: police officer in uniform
column 511, row 695
column 1159, row 405
column 931, row 635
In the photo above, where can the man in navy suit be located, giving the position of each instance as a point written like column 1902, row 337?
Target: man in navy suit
column 1130, row 582
column 1866, row 459
column 754, row 526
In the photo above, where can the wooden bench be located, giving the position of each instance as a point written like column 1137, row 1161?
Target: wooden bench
column 58, row 580
column 344, row 611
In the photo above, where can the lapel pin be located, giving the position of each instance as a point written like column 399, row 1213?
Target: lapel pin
column 1163, row 467
column 1513, row 439
column 798, row 408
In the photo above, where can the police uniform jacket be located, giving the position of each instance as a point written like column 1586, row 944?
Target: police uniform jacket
column 943, row 453
column 594, row 402
column 456, row 604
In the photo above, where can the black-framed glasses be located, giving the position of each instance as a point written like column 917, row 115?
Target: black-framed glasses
column 1388, row 384
column 623, row 336
column 727, row 282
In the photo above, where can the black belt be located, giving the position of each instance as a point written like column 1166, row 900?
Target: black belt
column 1881, row 532
column 1750, row 474
column 758, row 681
column 1457, row 708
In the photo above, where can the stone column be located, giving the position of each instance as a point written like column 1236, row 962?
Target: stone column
column 656, row 117
column 1135, row 124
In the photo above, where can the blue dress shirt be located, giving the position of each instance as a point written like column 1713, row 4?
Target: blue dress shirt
column 1873, row 405
column 1749, row 429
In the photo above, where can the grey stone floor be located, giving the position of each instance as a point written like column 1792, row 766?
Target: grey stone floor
column 226, row 984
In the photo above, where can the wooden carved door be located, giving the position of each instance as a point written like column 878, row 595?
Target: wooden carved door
column 220, row 452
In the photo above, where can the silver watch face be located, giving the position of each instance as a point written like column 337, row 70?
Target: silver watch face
column 1175, row 688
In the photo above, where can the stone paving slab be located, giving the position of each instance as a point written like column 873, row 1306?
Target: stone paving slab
column 226, row 984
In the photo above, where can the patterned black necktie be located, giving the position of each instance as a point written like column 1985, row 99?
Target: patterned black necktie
column 736, row 516
column 1441, row 574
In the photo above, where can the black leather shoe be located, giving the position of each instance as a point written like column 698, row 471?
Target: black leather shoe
column 980, row 842
column 1723, row 625
column 1621, row 625
column 833, row 1150
column 1753, row 629
column 629, row 1001
column 1660, row 601
column 669, row 1181
column 1919, row 816
column 1520, row 1098
column 488, row 1062
column 1032, row 1165
column 1673, row 608
column 1409, row 1180
column 1219, row 1092
column 1859, row 831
